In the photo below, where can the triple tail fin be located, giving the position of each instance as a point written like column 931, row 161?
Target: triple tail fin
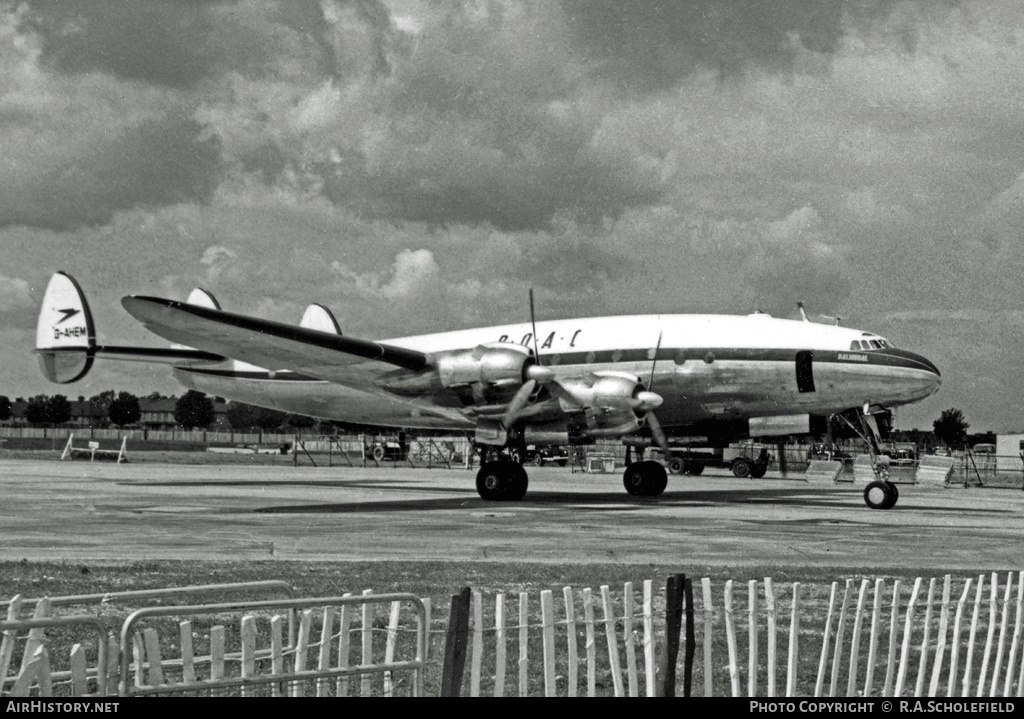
column 318, row 317
column 66, row 336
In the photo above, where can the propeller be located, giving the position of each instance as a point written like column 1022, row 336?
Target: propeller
column 535, row 374
column 644, row 402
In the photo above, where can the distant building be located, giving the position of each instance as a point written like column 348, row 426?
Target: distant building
column 1009, row 448
column 157, row 414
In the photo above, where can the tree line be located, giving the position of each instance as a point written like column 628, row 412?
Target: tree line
column 193, row 410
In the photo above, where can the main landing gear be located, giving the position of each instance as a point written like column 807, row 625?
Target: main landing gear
column 645, row 479
column 502, row 480
column 505, row 480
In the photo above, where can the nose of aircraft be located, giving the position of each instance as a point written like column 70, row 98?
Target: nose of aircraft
column 928, row 379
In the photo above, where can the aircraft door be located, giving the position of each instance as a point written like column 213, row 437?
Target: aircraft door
column 805, row 371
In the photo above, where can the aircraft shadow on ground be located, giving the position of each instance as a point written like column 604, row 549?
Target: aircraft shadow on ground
column 825, row 498
column 607, row 502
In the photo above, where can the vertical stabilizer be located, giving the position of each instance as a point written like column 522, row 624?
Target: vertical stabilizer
column 65, row 334
column 203, row 298
column 318, row 317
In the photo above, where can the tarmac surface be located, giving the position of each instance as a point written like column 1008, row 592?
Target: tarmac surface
column 106, row 512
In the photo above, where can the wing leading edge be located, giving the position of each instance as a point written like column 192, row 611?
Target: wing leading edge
column 264, row 343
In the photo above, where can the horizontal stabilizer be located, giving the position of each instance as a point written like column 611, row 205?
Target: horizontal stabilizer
column 66, row 336
column 200, row 298
column 160, row 355
column 318, row 317
column 264, row 343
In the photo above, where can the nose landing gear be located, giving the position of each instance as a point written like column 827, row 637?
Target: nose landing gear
column 881, row 493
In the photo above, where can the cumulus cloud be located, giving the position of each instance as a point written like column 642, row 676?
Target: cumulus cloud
column 419, row 166
column 413, row 271
column 14, row 294
column 219, row 261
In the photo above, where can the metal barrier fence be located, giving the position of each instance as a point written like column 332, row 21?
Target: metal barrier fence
column 35, row 665
column 258, row 587
column 206, row 667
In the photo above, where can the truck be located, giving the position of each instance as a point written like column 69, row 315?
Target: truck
column 381, row 449
column 743, row 460
column 550, row 454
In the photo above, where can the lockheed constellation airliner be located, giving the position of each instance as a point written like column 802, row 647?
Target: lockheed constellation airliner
column 640, row 378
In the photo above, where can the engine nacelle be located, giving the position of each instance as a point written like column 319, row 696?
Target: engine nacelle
column 609, row 404
column 486, row 364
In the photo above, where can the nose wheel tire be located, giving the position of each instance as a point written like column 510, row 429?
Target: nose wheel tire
column 645, row 479
column 881, row 495
column 502, row 481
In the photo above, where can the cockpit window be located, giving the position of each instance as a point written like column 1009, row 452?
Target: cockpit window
column 874, row 344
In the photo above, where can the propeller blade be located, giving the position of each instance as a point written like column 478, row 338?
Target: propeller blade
column 657, row 432
column 649, row 401
column 654, row 361
column 515, row 407
column 533, row 323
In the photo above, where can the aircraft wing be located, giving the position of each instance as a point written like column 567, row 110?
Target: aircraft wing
column 274, row 345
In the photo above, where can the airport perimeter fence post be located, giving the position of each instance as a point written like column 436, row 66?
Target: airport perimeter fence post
column 456, row 645
column 673, row 625
column 691, row 636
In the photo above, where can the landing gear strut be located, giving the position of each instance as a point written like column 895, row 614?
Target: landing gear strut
column 881, row 493
column 645, row 479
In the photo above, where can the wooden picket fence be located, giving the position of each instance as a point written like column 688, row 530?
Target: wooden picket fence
column 931, row 650
column 629, row 640
column 930, row 638
column 914, row 665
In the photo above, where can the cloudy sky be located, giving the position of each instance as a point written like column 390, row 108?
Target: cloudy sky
column 417, row 166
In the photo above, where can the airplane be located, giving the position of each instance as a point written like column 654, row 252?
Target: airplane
column 641, row 378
